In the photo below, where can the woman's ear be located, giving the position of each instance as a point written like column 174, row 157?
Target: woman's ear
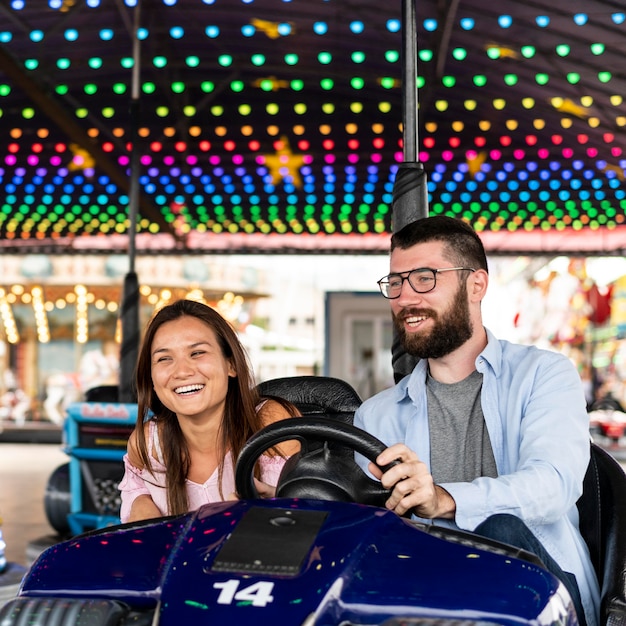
column 232, row 372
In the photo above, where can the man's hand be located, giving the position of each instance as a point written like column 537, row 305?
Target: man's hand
column 412, row 485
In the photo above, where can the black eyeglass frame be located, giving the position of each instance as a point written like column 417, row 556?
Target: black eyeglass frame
column 383, row 283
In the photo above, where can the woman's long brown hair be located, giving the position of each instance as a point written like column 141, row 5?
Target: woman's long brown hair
column 241, row 418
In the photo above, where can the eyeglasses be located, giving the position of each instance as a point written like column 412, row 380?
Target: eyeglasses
column 422, row 280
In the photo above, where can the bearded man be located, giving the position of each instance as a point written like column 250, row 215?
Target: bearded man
column 491, row 437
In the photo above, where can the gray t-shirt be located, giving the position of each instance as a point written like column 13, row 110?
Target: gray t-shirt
column 460, row 448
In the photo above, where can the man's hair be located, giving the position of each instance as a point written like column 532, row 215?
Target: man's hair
column 462, row 245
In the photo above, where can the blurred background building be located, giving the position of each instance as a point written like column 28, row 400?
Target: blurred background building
column 60, row 331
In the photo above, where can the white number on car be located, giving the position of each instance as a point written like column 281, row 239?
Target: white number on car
column 258, row 594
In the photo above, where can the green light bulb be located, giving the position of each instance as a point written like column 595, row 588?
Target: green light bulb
column 291, row 59
column 392, row 56
column 325, row 57
column 459, row 54
column 562, row 50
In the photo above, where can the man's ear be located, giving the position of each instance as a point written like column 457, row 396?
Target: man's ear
column 479, row 281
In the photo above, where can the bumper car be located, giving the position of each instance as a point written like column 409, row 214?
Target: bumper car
column 323, row 552
column 607, row 419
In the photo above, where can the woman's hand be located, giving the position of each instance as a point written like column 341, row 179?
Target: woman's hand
column 264, row 490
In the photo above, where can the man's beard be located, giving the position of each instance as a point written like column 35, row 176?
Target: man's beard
column 449, row 331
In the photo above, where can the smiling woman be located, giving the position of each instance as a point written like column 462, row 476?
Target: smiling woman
column 197, row 406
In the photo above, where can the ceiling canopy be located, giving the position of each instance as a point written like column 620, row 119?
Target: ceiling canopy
column 276, row 125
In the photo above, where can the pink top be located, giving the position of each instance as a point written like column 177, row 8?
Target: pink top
column 138, row 482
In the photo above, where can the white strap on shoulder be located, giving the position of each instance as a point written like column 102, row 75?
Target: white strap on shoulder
column 156, row 442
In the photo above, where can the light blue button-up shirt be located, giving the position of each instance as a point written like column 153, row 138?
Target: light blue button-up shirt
column 535, row 412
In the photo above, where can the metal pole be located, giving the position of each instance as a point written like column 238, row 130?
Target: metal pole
column 409, row 81
column 410, row 190
column 134, row 127
column 129, row 314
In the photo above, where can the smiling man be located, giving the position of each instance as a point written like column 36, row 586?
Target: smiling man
column 492, row 437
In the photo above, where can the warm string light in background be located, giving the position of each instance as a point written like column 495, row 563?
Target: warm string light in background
column 82, row 322
column 41, row 316
column 159, row 300
column 230, row 306
column 8, row 321
column 81, row 297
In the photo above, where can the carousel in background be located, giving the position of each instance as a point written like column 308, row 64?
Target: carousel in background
column 59, row 322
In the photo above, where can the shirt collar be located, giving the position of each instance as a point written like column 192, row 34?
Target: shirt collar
column 412, row 384
column 491, row 355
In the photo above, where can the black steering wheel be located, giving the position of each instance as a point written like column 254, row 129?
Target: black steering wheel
column 324, row 469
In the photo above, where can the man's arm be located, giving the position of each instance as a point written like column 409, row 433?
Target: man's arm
column 544, row 450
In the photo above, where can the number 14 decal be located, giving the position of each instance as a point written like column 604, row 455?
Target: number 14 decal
column 257, row 594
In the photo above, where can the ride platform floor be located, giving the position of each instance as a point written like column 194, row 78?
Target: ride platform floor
column 24, row 472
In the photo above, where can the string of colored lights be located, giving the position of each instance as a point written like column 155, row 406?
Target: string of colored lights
column 262, row 156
